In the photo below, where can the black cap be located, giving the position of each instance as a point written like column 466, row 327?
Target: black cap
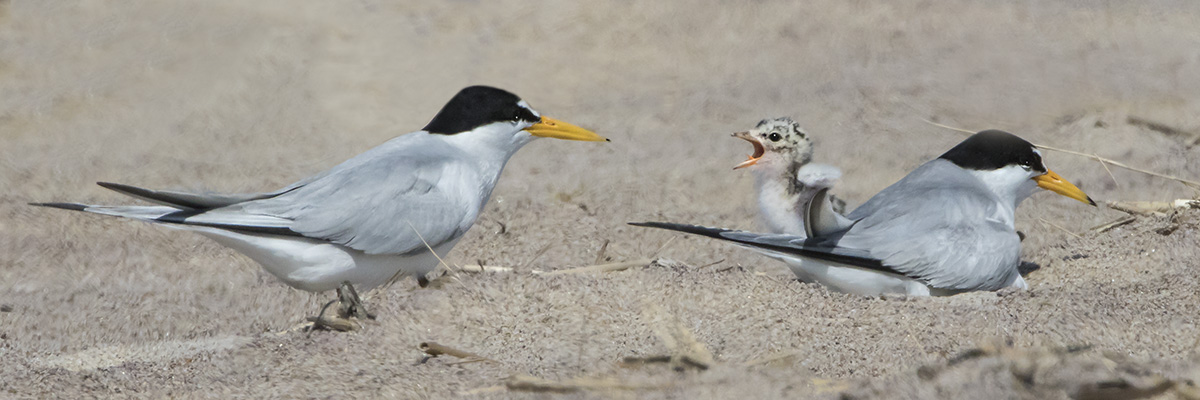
column 477, row 106
column 993, row 149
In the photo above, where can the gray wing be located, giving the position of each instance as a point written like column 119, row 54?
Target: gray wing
column 376, row 202
column 938, row 225
column 384, row 201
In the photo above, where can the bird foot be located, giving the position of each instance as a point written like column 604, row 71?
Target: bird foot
column 350, row 307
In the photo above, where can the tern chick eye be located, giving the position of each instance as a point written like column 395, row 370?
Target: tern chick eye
column 774, row 137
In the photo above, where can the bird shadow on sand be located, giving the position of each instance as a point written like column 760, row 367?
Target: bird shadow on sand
column 1027, row 267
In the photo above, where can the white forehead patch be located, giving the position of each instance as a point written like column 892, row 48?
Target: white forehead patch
column 526, row 106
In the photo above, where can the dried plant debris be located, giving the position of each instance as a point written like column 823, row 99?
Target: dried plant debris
column 685, row 351
column 480, row 268
column 621, row 266
column 1166, row 230
column 1105, row 227
column 782, row 359
column 1156, row 208
column 1001, row 370
column 434, row 349
column 526, row 383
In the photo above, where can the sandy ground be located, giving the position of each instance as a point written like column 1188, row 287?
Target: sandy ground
column 250, row 96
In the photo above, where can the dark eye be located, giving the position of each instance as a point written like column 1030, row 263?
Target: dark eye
column 774, row 137
column 516, row 115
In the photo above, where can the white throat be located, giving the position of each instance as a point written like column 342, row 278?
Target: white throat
column 493, row 142
column 1011, row 184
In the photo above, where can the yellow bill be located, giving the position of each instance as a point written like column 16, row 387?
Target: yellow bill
column 553, row 128
column 1055, row 183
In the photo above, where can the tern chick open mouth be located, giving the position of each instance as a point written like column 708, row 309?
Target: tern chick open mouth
column 758, row 149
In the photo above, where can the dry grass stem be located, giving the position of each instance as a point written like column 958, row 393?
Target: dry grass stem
column 621, row 266
column 477, row 268
column 537, row 255
column 483, row 390
column 600, row 254
column 526, row 383
column 771, row 359
column 1156, row 208
column 441, row 263
column 428, row 247
column 685, row 350
column 1186, row 182
column 1068, row 231
column 1109, row 171
column 663, row 247
column 1116, row 223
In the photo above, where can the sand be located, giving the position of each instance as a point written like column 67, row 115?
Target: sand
column 250, row 96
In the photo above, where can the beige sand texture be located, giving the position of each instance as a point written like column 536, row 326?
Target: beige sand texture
column 245, row 96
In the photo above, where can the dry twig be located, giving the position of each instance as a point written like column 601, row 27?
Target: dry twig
column 1118, row 222
column 663, row 247
column 600, row 254
column 433, row 349
column 1157, row 208
column 772, row 359
column 478, row 268
column 538, row 254
column 526, row 383
column 685, row 350
column 1068, row 231
column 621, row 266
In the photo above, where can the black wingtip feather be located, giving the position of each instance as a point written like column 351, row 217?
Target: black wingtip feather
column 119, row 187
column 65, row 206
column 717, row 233
column 150, row 195
column 692, row 229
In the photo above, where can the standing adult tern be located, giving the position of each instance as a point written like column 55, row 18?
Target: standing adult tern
column 946, row 228
column 389, row 212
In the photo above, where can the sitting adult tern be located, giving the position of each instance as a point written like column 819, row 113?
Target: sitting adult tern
column 375, row 217
column 944, row 229
column 784, row 176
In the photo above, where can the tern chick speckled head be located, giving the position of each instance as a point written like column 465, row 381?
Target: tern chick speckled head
column 778, row 143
